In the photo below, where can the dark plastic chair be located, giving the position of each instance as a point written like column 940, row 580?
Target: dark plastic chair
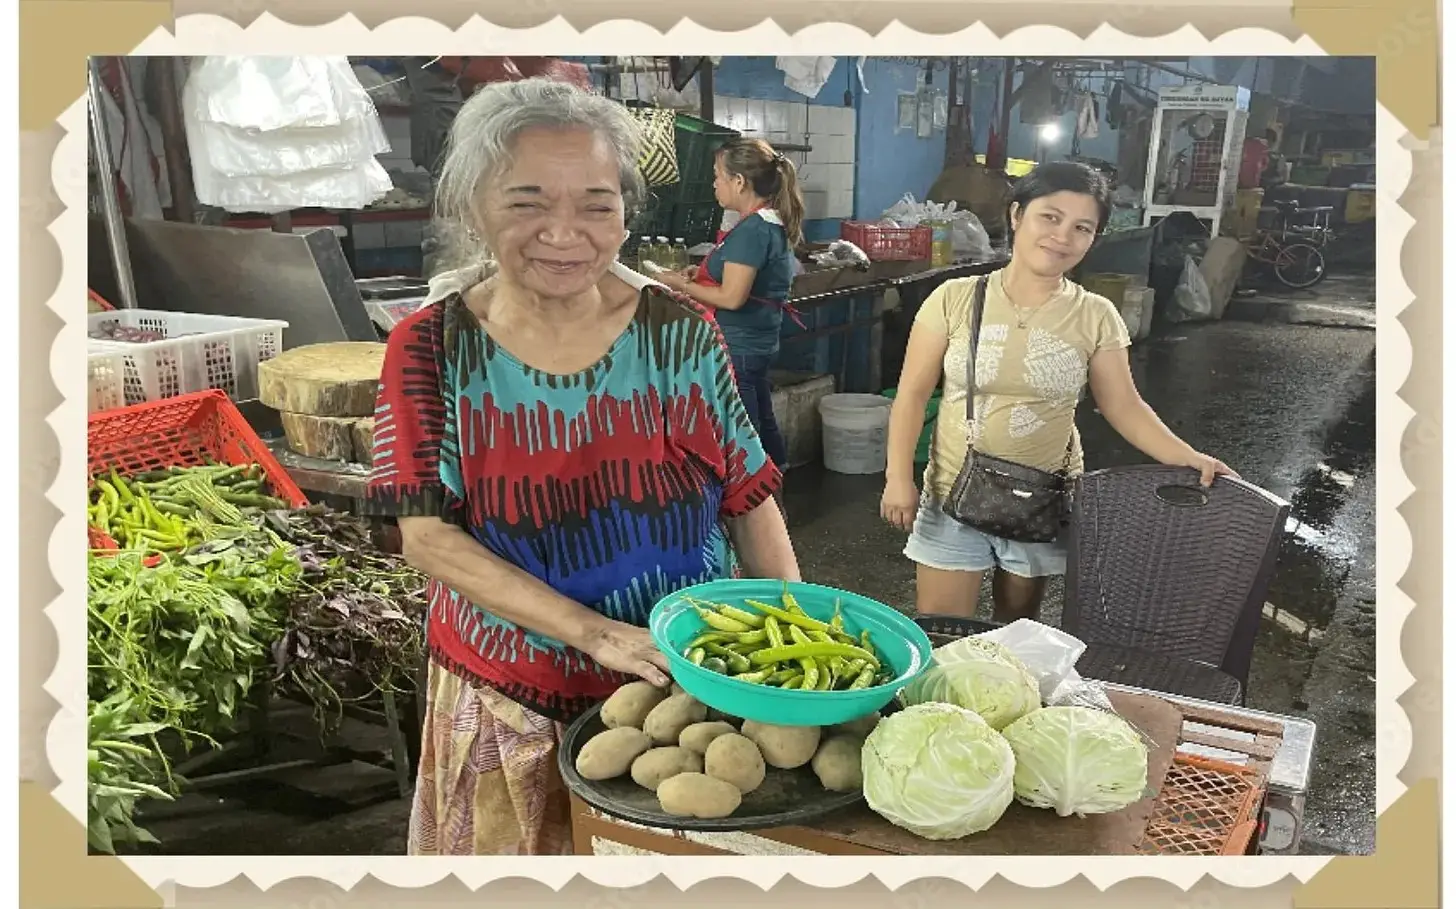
column 1159, row 567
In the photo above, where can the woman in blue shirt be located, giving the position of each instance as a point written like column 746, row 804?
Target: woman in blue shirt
column 746, row 279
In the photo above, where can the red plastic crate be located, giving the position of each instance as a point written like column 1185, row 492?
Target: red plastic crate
column 182, row 432
column 884, row 243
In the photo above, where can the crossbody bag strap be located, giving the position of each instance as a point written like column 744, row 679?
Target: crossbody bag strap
column 978, row 309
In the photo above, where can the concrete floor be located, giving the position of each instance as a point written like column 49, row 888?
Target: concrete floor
column 1288, row 404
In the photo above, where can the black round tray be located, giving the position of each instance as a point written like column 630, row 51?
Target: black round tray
column 786, row 798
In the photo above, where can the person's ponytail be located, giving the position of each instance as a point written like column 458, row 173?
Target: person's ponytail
column 789, row 201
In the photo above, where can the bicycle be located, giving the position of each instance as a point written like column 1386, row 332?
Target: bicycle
column 1294, row 252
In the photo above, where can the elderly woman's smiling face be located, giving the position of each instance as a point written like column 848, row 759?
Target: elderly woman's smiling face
column 554, row 218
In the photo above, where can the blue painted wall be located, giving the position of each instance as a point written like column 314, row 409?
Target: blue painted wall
column 758, row 78
column 889, row 164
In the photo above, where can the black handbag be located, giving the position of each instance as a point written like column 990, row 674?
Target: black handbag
column 1000, row 497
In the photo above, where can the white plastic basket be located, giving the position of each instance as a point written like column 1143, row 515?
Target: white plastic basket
column 199, row 353
column 104, row 380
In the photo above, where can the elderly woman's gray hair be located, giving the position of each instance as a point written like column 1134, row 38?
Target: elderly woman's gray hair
column 488, row 123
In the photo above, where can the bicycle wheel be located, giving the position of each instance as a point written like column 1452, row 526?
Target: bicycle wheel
column 1299, row 266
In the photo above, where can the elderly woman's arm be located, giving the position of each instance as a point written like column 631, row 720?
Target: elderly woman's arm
column 761, row 539
column 1117, row 397
column 450, row 555
column 411, row 482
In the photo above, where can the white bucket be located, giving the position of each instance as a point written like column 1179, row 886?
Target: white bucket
column 855, row 431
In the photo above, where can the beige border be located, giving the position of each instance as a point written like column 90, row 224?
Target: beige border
column 1409, row 446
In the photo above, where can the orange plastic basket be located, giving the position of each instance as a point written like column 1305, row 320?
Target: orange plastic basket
column 184, row 431
column 1205, row 807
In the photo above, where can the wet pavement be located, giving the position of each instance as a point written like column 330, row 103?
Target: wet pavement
column 1290, row 406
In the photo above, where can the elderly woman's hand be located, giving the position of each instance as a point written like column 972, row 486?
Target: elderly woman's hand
column 628, row 649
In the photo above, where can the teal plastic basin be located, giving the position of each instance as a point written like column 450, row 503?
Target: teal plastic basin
column 903, row 646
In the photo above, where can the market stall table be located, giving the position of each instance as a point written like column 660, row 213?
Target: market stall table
column 1276, row 751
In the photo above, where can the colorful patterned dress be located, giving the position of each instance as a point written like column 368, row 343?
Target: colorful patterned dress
column 609, row 485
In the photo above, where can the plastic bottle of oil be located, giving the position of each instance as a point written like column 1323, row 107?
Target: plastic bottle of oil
column 679, row 254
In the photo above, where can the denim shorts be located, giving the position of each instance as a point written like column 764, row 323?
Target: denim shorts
column 940, row 541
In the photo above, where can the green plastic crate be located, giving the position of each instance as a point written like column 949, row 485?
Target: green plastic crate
column 686, row 208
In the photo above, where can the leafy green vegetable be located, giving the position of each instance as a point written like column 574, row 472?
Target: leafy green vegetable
column 1077, row 760
column 980, row 675
column 938, row 771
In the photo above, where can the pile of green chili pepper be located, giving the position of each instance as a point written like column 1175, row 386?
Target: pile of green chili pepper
column 784, row 646
column 172, row 509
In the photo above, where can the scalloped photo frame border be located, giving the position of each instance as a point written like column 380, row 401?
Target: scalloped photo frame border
column 56, row 36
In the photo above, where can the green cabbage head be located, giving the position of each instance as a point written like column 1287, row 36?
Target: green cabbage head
column 980, row 675
column 938, row 771
column 1077, row 760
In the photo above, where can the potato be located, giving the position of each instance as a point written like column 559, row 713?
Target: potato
column 699, row 736
column 784, row 747
column 698, row 795
column 608, row 755
column 837, row 763
column 861, row 727
column 630, row 704
column 658, row 764
column 735, row 759
column 666, row 721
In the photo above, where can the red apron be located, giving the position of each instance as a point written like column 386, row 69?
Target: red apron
column 703, row 279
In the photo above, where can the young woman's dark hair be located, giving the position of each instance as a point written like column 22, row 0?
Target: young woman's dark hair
column 771, row 176
column 1065, row 177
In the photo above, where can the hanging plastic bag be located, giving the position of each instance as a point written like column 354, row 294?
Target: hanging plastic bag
column 270, row 134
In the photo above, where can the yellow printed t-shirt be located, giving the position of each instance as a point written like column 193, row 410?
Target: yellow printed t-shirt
column 1028, row 379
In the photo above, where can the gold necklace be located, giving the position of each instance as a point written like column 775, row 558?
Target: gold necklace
column 1022, row 317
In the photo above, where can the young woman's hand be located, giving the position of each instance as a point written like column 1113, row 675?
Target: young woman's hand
column 1208, row 468
column 899, row 504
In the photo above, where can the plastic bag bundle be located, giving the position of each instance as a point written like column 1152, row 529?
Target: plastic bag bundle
column 270, row 134
column 969, row 239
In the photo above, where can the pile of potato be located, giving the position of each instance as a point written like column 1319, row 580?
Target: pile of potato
column 701, row 766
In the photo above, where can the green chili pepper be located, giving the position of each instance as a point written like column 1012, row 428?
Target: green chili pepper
column 716, row 637
column 811, row 673
column 122, row 490
column 863, row 680
column 714, row 664
column 737, row 662
column 696, row 655
column 789, row 618
column 773, row 631
column 826, row 680
column 720, row 622
column 758, row 636
column 753, row 678
column 796, row 682
column 783, row 675
column 814, row 650
column 739, row 615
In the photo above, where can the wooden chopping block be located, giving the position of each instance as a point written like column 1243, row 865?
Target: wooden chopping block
column 323, row 380
column 326, row 438
column 363, row 432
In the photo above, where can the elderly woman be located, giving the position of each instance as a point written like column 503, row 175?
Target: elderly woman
column 562, row 444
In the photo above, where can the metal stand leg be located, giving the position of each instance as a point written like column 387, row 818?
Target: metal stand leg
column 398, row 750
